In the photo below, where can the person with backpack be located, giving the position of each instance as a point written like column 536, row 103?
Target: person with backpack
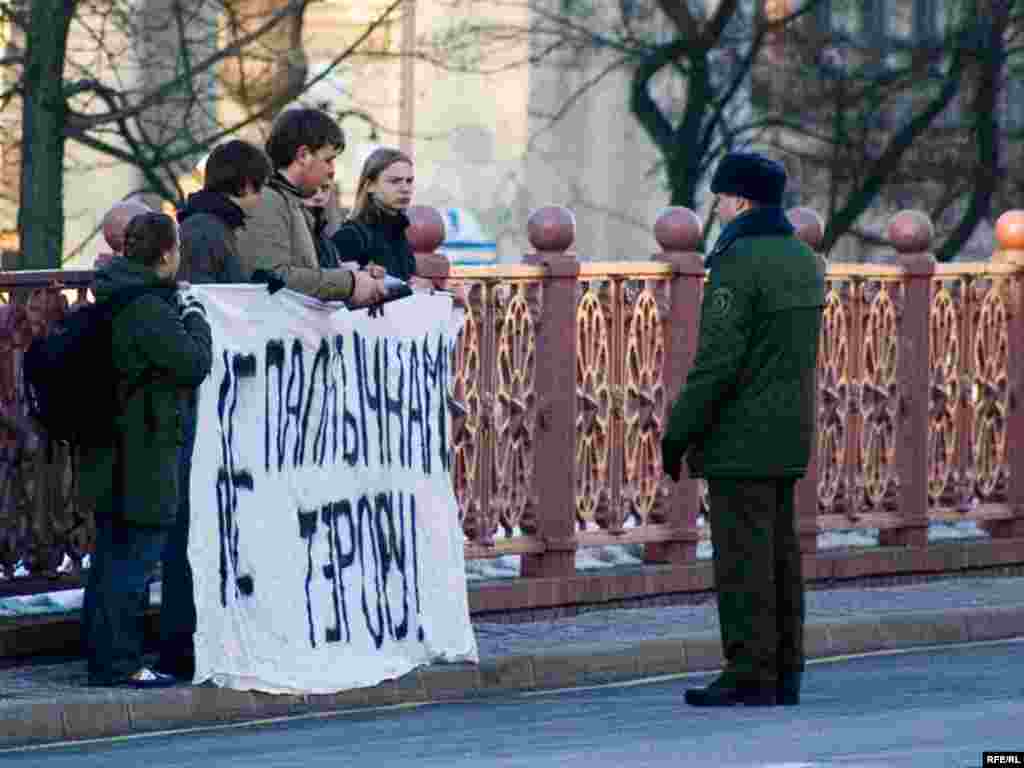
column 160, row 348
column 278, row 242
column 374, row 233
column 233, row 181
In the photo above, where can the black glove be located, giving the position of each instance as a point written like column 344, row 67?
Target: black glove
column 274, row 283
column 189, row 305
column 671, row 458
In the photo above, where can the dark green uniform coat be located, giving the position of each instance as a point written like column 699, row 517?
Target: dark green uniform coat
column 148, row 336
column 747, row 408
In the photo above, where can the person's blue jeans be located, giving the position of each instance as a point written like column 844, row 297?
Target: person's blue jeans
column 178, row 607
column 116, row 596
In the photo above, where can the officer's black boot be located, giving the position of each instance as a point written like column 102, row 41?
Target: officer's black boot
column 727, row 692
column 788, row 688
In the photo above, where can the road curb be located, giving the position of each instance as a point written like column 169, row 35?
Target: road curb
column 568, row 666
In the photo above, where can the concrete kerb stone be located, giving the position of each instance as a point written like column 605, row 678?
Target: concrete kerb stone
column 852, row 635
column 450, row 681
column 995, row 622
column 660, row 657
column 572, row 665
column 41, row 723
column 95, row 719
column 924, row 628
column 702, row 651
column 507, row 673
column 162, row 711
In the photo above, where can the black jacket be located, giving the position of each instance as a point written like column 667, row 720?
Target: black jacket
column 148, row 334
column 382, row 242
column 326, row 252
column 209, row 245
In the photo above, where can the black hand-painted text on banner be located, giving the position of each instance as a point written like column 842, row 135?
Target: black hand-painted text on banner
column 371, row 569
column 353, row 401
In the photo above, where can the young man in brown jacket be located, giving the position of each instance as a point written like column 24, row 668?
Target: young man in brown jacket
column 279, row 238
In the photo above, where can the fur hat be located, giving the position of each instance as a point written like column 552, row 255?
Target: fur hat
column 751, row 176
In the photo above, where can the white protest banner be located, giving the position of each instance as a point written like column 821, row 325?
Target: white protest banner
column 324, row 537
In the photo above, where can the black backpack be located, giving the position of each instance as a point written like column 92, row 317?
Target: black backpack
column 71, row 385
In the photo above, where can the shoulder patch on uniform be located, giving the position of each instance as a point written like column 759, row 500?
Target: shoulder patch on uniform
column 720, row 302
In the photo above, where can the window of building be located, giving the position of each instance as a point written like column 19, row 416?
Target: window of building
column 883, row 23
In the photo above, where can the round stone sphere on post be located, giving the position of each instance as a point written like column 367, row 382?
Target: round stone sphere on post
column 1010, row 236
column 809, row 226
column 911, row 233
column 678, row 230
column 551, row 229
column 426, row 230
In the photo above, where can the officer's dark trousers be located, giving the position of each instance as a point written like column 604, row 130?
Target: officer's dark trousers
column 178, row 607
column 758, row 577
column 116, row 595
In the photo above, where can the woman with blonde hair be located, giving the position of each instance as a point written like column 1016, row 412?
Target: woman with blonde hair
column 374, row 234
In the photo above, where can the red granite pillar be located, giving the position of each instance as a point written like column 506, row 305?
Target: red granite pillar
column 1010, row 244
column 552, row 231
column 678, row 232
column 911, row 234
column 811, row 229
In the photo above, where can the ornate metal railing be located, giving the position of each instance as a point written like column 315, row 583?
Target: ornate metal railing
column 564, row 372
column 969, row 390
column 44, row 525
column 621, row 313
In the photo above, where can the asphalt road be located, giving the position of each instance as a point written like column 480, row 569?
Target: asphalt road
column 941, row 707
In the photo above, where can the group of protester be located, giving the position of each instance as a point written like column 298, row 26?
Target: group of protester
column 744, row 419
column 261, row 216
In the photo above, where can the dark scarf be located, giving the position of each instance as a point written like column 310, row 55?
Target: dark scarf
column 280, row 181
column 394, row 222
column 215, row 204
column 765, row 221
column 390, row 220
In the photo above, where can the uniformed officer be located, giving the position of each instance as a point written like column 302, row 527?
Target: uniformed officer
column 745, row 421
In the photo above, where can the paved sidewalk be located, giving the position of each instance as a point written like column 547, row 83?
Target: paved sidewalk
column 41, row 703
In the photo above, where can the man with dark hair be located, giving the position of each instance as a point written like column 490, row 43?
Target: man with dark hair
column 280, row 238
column 234, row 177
column 746, row 416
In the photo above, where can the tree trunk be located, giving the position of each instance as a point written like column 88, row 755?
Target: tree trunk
column 686, row 156
column 986, row 132
column 41, row 204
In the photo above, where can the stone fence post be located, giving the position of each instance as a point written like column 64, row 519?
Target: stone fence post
column 811, row 229
column 678, row 232
column 1010, row 243
column 552, row 232
column 425, row 233
column 911, row 233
